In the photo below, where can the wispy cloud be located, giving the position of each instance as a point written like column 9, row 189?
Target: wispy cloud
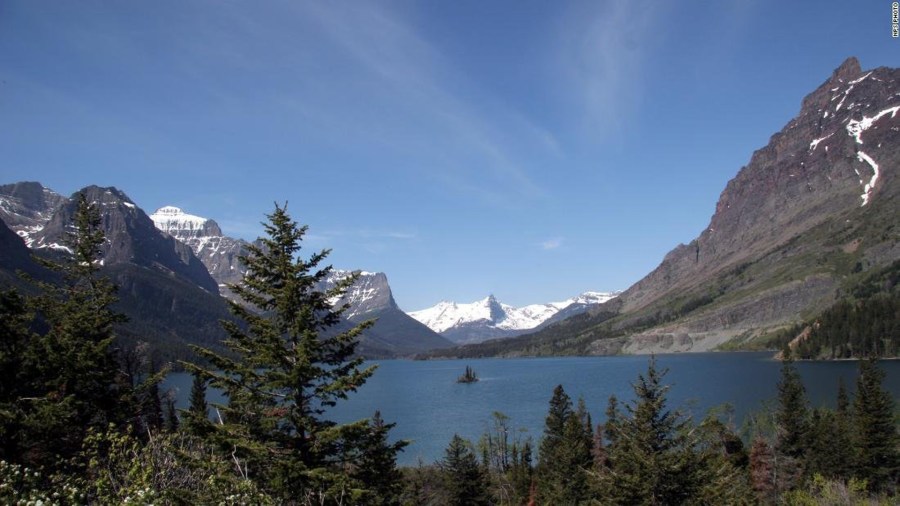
column 551, row 244
column 602, row 54
column 422, row 111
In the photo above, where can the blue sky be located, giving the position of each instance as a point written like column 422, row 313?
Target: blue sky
column 532, row 150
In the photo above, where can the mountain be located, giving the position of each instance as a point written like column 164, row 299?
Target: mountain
column 15, row 257
column 166, row 292
column 808, row 217
column 394, row 333
column 490, row 319
column 131, row 237
column 218, row 252
column 27, row 206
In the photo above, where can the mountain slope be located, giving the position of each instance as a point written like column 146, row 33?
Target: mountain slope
column 811, row 212
column 131, row 237
column 166, row 292
column 218, row 252
column 490, row 319
column 27, row 206
column 394, row 333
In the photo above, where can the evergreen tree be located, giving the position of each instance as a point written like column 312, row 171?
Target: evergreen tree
column 564, row 455
column 791, row 415
column 465, row 480
column 821, row 457
column 376, row 468
column 77, row 385
column 612, row 420
column 521, row 472
column 287, row 368
column 584, row 436
column 652, row 459
column 841, row 444
column 198, row 406
column 763, row 475
column 876, row 440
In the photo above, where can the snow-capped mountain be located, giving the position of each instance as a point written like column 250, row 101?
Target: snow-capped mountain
column 488, row 318
column 369, row 293
column 218, row 252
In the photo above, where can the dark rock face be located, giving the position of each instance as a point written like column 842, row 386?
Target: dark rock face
column 15, row 257
column 27, row 206
column 835, row 163
column 130, row 238
column 809, row 172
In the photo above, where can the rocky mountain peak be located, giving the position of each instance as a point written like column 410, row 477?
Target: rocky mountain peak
column 847, row 71
column 131, row 237
column 829, row 160
column 371, row 292
column 488, row 318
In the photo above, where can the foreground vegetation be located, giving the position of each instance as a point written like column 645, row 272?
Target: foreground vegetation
column 82, row 421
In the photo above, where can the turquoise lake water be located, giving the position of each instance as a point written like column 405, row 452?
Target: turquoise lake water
column 427, row 404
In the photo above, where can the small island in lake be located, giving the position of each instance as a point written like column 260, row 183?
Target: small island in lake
column 468, row 377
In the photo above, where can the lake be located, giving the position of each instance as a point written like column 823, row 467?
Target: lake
column 427, row 404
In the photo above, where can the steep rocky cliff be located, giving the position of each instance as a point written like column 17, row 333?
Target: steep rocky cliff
column 812, row 211
column 820, row 198
column 27, row 206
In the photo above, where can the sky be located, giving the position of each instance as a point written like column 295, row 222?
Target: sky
column 528, row 149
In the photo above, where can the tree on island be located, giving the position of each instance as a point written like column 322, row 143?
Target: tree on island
column 287, row 366
column 468, row 377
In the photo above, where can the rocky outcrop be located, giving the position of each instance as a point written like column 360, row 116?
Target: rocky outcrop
column 27, row 206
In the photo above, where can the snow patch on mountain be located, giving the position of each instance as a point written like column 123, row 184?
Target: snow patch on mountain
column 175, row 222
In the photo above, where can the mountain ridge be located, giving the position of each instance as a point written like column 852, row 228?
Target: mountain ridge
column 812, row 210
column 488, row 318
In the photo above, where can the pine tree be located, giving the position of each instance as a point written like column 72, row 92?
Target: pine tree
column 791, row 415
column 876, row 440
column 376, row 468
column 552, row 471
column 464, row 479
column 652, row 460
column 841, row 444
column 287, row 368
column 77, row 382
column 198, row 406
column 612, row 420
column 521, row 472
